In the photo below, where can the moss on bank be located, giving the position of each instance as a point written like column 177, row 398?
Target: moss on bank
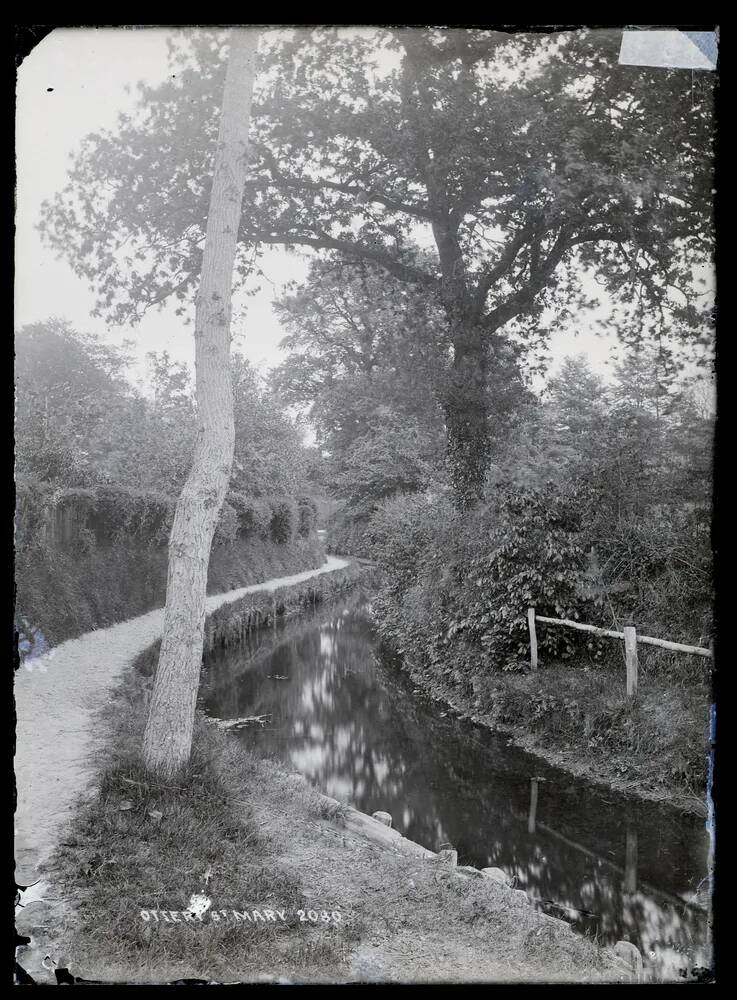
column 249, row 836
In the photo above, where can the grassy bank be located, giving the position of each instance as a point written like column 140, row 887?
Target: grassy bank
column 454, row 598
column 249, row 836
column 577, row 715
column 62, row 594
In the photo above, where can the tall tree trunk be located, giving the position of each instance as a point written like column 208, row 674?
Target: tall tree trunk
column 168, row 737
column 466, row 406
column 465, row 400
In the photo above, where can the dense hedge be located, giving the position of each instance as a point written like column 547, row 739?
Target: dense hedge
column 79, row 518
column 88, row 557
column 254, row 516
column 307, row 512
column 62, row 594
column 457, row 586
column 283, row 524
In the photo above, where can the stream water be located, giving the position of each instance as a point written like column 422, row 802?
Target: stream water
column 354, row 724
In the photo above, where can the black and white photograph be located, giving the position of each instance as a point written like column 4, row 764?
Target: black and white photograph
column 365, row 599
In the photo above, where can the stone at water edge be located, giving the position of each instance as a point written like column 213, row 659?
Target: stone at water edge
column 497, row 875
column 469, row 871
column 630, row 955
column 382, row 817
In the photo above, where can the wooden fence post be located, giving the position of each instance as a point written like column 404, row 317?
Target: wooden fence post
column 630, row 861
column 533, row 638
column 630, row 655
column 532, row 815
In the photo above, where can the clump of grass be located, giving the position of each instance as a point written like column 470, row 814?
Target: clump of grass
column 657, row 742
column 333, row 811
column 145, row 845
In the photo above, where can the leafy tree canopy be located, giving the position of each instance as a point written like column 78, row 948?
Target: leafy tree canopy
column 518, row 152
column 79, row 421
column 524, row 161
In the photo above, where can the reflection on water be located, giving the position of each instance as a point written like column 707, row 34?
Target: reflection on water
column 616, row 867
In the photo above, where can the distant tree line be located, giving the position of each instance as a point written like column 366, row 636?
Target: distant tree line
column 80, row 421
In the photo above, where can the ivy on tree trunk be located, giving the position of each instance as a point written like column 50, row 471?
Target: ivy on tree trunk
column 466, row 407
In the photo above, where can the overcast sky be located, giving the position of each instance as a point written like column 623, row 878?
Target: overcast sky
column 73, row 83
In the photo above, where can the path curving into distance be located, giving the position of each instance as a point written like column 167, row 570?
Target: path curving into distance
column 57, row 696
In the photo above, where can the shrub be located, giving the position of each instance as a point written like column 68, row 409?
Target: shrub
column 227, row 528
column 347, row 536
column 283, row 524
column 402, row 531
column 659, row 568
column 307, row 516
column 458, row 586
column 530, row 555
column 254, row 516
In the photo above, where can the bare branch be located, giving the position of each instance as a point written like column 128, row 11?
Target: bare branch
column 367, row 193
column 502, row 266
column 405, row 272
column 523, row 298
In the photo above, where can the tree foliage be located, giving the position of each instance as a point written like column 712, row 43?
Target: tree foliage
column 369, row 359
column 526, row 161
column 597, row 509
column 81, row 422
column 459, row 586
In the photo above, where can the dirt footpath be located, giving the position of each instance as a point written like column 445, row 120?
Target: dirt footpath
column 56, row 698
